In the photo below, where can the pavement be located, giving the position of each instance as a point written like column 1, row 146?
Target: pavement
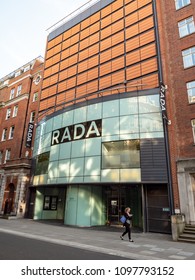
column 105, row 239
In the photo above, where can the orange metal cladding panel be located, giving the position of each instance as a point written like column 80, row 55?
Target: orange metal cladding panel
column 60, row 98
column 82, row 78
column 74, row 39
column 105, row 82
column 131, row 19
column 148, row 51
column 133, row 72
column 117, row 15
column 66, row 44
column 63, row 75
column 151, row 81
column 106, row 68
column 117, row 4
column 117, row 38
column 133, row 57
column 118, row 63
column 132, row 31
column 131, row 7
column 106, row 21
column 142, row 3
column 53, row 51
column 106, row 32
column 92, row 74
column 106, row 55
column 147, row 37
column 84, row 43
column 118, row 77
column 54, row 59
column 43, row 105
column 69, row 95
column 74, row 49
column 72, row 71
column 54, row 42
column 92, row 86
column 62, row 86
column 52, row 70
column 117, row 50
column 85, row 33
column 94, row 38
column 50, row 81
column 81, row 90
column 149, row 66
column 146, row 24
column 93, row 61
column 106, row 11
column 105, row 44
column 71, row 82
column 48, row 91
column 145, row 12
column 117, row 26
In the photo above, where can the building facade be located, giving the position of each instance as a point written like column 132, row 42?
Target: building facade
column 101, row 138
column 19, row 95
column 177, row 32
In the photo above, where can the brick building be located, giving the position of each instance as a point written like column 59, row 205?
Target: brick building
column 177, row 42
column 19, row 96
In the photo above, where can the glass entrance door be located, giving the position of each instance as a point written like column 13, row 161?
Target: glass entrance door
column 115, row 204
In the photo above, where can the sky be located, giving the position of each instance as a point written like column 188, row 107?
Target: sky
column 23, row 25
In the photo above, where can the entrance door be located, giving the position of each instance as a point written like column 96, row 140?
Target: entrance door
column 157, row 209
column 121, row 196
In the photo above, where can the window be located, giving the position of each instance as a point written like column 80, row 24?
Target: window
column 12, row 93
column 50, row 202
column 193, row 129
column 15, row 111
column 7, row 155
column 42, row 163
column 191, row 91
column 8, row 113
column 32, row 116
column 121, row 154
column 188, row 57
column 4, row 134
column 19, row 90
column 1, row 157
column 11, row 132
column 181, row 3
column 186, row 27
column 35, row 96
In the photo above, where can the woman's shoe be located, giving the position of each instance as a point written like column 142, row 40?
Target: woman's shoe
column 121, row 237
column 131, row 240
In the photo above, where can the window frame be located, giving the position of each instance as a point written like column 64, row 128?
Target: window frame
column 15, row 111
column 7, row 155
column 11, row 132
column 35, row 96
column 12, row 92
column 177, row 2
column 186, row 24
column 32, row 116
column 19, row 90
column 193, row 128
column 188, row 54
column 8, row 113
column 4, row 135
column 191, row 91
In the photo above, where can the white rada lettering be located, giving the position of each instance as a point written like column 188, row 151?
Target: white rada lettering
column 30, row 132
column 77, row 132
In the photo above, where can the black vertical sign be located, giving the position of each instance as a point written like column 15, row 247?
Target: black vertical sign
column 162, row 100
column 29, row 135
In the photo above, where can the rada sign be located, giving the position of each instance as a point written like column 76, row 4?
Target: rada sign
column 162, row 99
column 29, row 135
column 77, row 131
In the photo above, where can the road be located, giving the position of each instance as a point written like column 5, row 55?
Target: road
column 14, row 247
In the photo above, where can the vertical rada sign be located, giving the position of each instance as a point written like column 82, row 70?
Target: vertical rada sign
column 29, row 135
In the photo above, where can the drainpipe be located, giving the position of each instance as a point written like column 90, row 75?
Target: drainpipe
column 165, row 121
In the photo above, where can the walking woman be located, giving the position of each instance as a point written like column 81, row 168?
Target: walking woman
column 127, row 224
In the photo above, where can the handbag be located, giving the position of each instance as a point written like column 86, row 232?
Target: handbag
column 123, row 219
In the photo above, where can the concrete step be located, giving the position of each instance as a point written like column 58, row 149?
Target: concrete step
column 182, row 239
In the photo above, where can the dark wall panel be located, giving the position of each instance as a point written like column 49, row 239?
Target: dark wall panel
column 153, row 160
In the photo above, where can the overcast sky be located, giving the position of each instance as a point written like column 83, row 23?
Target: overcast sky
column 23, row 25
